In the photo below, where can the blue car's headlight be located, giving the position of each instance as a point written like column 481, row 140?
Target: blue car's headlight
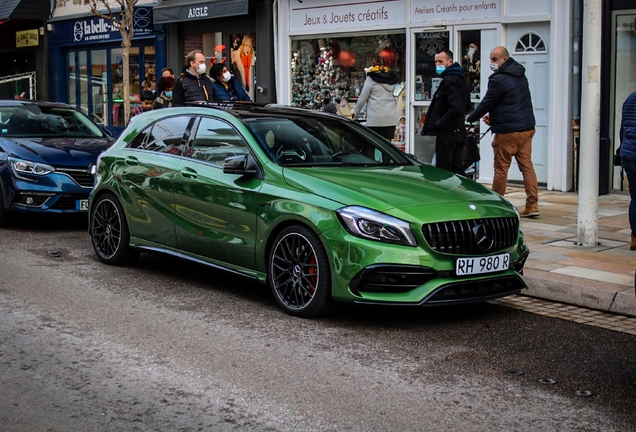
column 21, row 166
column 373, row 225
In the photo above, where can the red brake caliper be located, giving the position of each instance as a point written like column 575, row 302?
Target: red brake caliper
column 314, row 272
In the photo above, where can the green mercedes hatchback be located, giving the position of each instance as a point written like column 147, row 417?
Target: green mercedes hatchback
column 318, row 207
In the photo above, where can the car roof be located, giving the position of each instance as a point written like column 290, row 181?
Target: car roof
column 25, row 103
column 251, row 109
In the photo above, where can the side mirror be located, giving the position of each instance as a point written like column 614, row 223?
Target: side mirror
column 107, row 131
column 241, row 165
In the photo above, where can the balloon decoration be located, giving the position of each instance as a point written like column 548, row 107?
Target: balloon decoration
column 389, row 55
column 347, row 58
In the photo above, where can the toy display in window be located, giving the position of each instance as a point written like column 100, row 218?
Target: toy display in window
column 473, row 63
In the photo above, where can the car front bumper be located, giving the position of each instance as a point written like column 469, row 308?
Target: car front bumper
column 369, row 272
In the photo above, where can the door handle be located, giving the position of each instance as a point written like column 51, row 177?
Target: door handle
column 189, row 173
column 130, row 160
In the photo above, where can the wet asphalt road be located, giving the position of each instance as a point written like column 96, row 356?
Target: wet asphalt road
column 167, row 345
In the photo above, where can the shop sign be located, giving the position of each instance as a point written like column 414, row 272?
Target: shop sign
column 26, row 38
column 435, row 11
column 96, row 29
column 325, row 15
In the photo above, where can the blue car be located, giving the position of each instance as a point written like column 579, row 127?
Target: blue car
column 47, row 157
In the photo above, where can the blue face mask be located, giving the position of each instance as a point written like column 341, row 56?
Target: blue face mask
column 440, row 69
column 168, row 94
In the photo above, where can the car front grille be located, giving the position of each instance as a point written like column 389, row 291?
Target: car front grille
column 472, row 237
column 82, row 177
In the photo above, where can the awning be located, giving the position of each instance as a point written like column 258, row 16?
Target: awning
column 187, row 10
column 24, row 9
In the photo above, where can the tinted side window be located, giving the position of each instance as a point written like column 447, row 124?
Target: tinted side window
column 164, row 136
column 141, row 138
column 216, row 140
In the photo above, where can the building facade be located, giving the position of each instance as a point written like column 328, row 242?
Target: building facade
column 237, row 33
column 23, row 71
column 324, row 45
column 86, row 61
column 618, row 80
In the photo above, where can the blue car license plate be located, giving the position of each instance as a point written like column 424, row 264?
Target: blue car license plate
column 81, row 205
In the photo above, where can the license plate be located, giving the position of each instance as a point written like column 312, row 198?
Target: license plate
column 481, row 265
column 81, row 205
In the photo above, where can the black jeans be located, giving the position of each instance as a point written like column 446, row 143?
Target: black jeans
column 386, row 131
column 449, row 149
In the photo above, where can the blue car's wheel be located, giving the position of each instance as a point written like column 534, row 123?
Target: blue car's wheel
column 109, row 232
column 299, row 274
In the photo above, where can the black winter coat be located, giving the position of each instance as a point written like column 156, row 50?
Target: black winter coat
column 449, row 105
column 192, row 88
column 507, row 100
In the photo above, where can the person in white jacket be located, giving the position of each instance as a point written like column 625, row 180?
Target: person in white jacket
column 377, row 95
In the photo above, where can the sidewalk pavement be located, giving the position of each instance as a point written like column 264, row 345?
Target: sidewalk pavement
column 597, row 277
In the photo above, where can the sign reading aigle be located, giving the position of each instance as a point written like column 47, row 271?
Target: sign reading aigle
column 198, row 12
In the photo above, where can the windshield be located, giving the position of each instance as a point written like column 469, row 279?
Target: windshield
column 35, row 121
column 323, row 140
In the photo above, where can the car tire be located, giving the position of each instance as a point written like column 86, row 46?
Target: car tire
column 109, row 232
column 5, row 216
column 299, row 274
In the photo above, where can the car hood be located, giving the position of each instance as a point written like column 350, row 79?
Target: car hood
column 409, row 192
column 57, row 151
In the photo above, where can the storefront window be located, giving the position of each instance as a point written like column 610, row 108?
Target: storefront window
column 334, row 68
column 83, row 77
column 72, row 80
column 625, row 79
column 98, row 83
column 469, row 58
column 117, row 74
column 467, row 54
column 426, row 46
column 149, row 68
column 244, row 60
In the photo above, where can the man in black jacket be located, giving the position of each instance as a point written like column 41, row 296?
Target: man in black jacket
column 193, row 85
column 507, row 109
column 445, row 115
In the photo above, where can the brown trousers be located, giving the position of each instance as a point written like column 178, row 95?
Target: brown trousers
column 517, row 144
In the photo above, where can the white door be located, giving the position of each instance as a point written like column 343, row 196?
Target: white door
column 528, row 44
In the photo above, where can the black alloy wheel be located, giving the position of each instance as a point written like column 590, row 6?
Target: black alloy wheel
column 299, row 274
column 109, row 232
column 3, row 213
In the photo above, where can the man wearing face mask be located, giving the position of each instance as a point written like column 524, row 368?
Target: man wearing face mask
column 226, row 87
column 507, row 109
column 193, row 84
column 445, row 115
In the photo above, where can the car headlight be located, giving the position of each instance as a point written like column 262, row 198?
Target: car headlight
column 514, row 207
column 95, row 170
column 21, row 166
column 373, row 225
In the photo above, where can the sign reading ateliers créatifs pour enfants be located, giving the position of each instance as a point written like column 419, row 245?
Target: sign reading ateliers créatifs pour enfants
column 424, row 10
column 320, row 15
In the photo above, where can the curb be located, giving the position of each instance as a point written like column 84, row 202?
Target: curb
column 603, row 296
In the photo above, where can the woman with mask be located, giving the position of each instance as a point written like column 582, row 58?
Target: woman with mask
column 226, row 87
column 377, row 95
column 164, row 88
